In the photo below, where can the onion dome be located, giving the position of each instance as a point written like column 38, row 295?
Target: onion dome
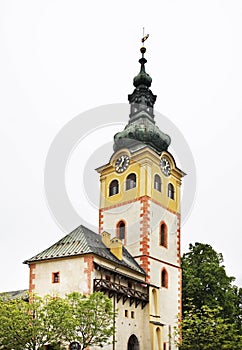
column 142, row 78
column 141, row 128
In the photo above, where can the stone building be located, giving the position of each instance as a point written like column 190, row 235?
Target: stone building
column 135, row 256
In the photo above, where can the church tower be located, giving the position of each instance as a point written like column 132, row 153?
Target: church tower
column 135, row 258
column 140, row 204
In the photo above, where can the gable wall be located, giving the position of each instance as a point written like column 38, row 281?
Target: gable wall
column 73, row 276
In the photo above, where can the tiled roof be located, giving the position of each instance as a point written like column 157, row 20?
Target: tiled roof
column 83, row 241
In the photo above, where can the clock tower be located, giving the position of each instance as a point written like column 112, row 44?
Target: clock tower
column 140, row 205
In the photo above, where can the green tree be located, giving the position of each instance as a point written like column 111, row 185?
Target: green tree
column 205, row 282
column 212, row 305
column 55, row 320
column 92, row 323
column 205, row 329
column 30, row 325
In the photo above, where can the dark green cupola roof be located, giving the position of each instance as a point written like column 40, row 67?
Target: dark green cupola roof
column 142, row 78
column 141, row 128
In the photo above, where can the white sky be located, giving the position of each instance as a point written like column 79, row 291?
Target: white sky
column 61, row 58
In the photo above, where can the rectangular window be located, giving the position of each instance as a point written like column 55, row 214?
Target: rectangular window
column 55, row 277
column 132, row 314
column 130, row 285
column 126, row 313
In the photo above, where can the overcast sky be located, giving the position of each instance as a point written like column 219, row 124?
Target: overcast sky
column 59, row 59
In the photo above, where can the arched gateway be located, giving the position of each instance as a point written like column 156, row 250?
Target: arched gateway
column 133, row 343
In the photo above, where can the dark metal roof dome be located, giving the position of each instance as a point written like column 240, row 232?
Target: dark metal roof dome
column 141, row 127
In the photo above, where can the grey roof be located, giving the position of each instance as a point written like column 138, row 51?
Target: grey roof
column 16, row 294
column 84, row 241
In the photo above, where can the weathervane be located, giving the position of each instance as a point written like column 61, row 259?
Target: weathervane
column 145, row 37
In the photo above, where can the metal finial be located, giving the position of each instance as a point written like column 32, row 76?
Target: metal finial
column 145, row 37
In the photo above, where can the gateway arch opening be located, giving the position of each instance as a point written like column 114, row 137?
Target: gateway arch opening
column 133, row 343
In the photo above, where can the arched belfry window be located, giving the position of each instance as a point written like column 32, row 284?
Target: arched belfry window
column 164, row 278
column 121, row 230
column 163, row 235
column 171, row 191
column 130, row 181
column 113, row 188
column 157, row 183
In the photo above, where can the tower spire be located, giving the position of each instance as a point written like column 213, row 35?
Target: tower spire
column 141, row 127
column 143, row 78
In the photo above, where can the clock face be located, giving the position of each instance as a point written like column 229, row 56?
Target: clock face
column 165, row 166
column 122, row 163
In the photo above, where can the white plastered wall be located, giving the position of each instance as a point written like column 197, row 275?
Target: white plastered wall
column 165, row 258
column 158, row 215
column 71, row 272
column 130, row 213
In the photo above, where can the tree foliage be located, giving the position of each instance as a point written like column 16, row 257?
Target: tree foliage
column 205, row 329
column 30, row 325
column 205, row 282
column 54, row 320
column 212, row 305
column 92, row 322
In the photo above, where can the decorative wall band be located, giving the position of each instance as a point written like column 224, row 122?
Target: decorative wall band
column 142, row 199
column 144, row 235
column 31, row 277
column 88, row 259
column 100, row 225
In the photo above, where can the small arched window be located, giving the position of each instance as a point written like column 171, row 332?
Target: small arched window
column 130, row 181
column 121, row 230
column 157, row 183
column 164, row 278
column 154, row 303
column 134, row 109
column 113, row 188
column 163, row 235
column 171, row 191
column 158, row 338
